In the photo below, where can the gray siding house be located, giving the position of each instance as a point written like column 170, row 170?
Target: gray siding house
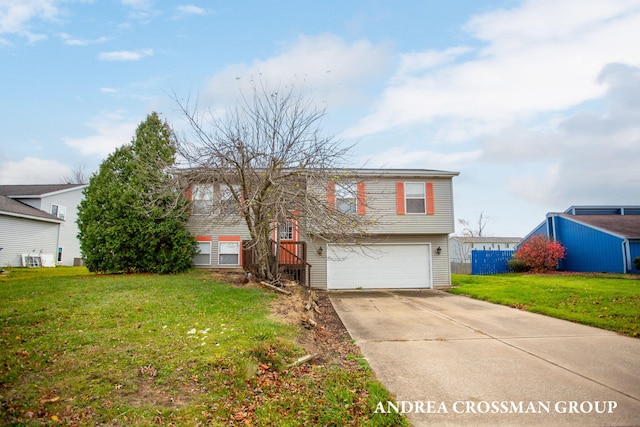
column 408, row 248
column 39, row 219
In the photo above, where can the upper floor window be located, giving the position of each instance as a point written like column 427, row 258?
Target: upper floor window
column 59, row 211
column 346, row 200
column 347, row 197
column 415, row 198
column 228, row 204
column 202, row 195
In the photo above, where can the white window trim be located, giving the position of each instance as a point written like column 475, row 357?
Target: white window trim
column 424, row 198
column 204, row 253
column 61, row 211
column 351, row 190
column 235, row 243
column 194, row 192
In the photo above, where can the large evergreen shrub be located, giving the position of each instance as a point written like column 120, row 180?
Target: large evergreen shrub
column 131, row 219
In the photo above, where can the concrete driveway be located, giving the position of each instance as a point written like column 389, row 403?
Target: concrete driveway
column 452, row 360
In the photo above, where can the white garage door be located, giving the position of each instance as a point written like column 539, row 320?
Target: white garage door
column 379, row 266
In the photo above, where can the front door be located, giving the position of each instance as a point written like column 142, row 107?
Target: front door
column 288, row 234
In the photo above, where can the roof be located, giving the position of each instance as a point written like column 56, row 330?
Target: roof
column 12, row 207
column 627, row 226
column 483, row 239
column 36, row 190
column 363, row 172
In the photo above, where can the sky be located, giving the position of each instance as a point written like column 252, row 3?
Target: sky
column 536, row 103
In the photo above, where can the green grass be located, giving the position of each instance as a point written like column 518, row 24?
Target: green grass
column 84, row 349
column 605, row 301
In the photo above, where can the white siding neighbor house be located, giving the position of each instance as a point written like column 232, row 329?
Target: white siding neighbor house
column 407, row 248
column 39, row 220
column 461, row 246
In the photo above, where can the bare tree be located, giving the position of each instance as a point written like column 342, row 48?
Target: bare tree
column 266, row 159
column 475, row 230
column 78, row 175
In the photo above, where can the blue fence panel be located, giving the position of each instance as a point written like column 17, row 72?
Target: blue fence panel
column 490, row 262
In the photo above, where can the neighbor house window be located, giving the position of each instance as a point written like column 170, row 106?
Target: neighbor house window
column 202, row 199
column 59, row 211
column 346, row 200
column 203, row 257
column 228, row 252
column 415, row 198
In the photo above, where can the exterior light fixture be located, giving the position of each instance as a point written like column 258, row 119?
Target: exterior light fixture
column 438, row 250
column 320, row 250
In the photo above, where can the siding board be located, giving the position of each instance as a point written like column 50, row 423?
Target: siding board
column 25, row 236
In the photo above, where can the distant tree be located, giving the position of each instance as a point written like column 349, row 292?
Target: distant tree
column 130, row 220
column 476, row 229
column 539, row 254
column 78, row 175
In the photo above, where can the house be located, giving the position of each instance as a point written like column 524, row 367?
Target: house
column 461, row 248
column 408, row 247
column 596, row 238
column 39, row 221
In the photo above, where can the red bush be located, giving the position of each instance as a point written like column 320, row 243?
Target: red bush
column 540, row 254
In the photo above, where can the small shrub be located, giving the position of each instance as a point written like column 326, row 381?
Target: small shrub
column 517, row 266
column 540, row 254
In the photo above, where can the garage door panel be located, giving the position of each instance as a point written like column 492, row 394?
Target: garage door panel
column 378, row 266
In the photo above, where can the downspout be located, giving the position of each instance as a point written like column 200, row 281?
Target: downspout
column 626, row 256
column 552, row 231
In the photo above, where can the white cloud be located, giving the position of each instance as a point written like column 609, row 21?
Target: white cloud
column 543, row 56
column 125, row 55
column 111, row 131
column 72, row 41
column 31, row 170
column 330, row 66
column 189, row 9
column 586, row 158
column 401, row 157
column 16, row 16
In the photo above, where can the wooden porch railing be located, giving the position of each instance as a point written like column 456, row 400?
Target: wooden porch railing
column 292, row 259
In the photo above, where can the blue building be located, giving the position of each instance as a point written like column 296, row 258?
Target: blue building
column 596, row 238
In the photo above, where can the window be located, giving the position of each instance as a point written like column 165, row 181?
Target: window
column 346, row 200
column 415, row 199
column 59, row 211
column 286, row 231
column 203, row 257
column 228, row 204
column 228, row 253
column 59, row 255
column 202, row 199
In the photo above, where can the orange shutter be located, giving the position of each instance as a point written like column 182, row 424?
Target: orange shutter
column 331, row 194
column 362, row 199
column 400, row 198
column 430, row 202
column 187, row 193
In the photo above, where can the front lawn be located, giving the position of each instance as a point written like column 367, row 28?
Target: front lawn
column 605, row 301
column 84, row 349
